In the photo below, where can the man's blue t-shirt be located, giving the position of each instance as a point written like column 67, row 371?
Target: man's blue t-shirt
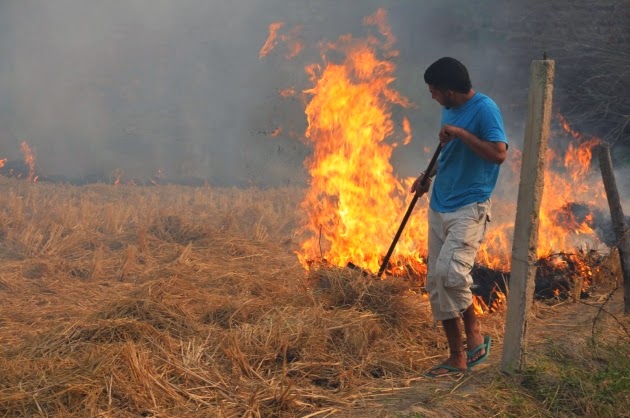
column 463, row 177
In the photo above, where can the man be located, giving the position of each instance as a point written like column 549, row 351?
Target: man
column 474, row 145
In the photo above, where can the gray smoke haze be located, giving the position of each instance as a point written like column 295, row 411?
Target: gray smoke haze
column 143, row 85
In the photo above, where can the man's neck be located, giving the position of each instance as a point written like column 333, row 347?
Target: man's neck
column 462, row 98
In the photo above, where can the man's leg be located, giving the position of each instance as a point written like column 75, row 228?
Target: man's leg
column 473, row 333
column 452, row 327
column 457, row 357
column 471, row 326
column 465, row 229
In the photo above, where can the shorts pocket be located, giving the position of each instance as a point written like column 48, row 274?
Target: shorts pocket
column 459, row 269
column 483, row 211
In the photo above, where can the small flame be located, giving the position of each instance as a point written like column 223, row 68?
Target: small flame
column 407, row 129
column 294, row 45
column 582, row 271
column 479, row 305
column 379, row 19
column 157, row 177
column 3, row 162
column 29, row 160
column 567, row 128
column 288, row 92
column 276, row 131
column 118, row 173
column 271, row 41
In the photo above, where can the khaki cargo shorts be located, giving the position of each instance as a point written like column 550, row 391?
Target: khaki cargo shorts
column 454, row 239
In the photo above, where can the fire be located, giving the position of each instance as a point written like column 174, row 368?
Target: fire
column 294, row 45
column 29, row 160
column 407, row 129
column 576, row 182
column 276, row 131
column 3, row 162
column 288, row 92
column 271, row 41
column 355, row 203
column 481, row 307
column 567, row 128
column 118, row 173
column 568, row 179
column 290, row 39
column 157, row 177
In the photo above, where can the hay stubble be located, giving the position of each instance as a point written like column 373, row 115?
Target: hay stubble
column 178, row 301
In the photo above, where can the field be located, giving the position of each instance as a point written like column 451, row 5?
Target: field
column 180, row 301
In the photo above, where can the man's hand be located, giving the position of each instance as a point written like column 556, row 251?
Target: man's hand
column 417, row 186
column 489, row 150
column 449, row 132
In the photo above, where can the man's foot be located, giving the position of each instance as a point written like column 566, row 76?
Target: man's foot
column 473, row 343
column 455, row 364
column 480, row 353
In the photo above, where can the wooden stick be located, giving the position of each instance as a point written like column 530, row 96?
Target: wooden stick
column 618, row 220
column 423, row 182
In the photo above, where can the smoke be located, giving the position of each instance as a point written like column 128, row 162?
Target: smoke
column 622, row 178
column 142, row 85
column 136, row 85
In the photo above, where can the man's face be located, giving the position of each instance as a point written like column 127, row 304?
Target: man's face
column 443, row 97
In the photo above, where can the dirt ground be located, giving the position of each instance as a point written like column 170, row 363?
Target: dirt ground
column 568, row 322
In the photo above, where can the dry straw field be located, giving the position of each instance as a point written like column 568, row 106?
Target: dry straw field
column 180, row 301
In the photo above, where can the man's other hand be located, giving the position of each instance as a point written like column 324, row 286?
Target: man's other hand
column 448, row 133
column 417, row 186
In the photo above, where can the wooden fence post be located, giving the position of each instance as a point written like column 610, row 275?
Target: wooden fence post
column 618, row 220
column 524, row 257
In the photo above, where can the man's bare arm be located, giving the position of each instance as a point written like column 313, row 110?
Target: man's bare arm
column 491, row 151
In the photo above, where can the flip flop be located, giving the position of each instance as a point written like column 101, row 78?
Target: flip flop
column 487, row 341
column 451, row 371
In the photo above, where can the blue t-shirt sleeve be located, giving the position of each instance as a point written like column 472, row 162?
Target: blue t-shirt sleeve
column 491, row 124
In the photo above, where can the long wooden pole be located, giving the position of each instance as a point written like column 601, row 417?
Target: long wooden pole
column 622, row 233
column 524, row 257
column 423, row 182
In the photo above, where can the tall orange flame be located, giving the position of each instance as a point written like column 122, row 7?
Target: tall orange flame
column 354, row 201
